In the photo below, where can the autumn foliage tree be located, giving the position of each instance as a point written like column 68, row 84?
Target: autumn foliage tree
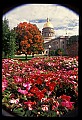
column 29, row 38
column 72, row 46
column 72, row 50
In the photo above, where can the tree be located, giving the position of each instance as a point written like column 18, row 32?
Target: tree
column 73, row 39
column 29, row 38
column 72, row 46
column 72, row 49
column 5, row 37
column 12, row 44
column 8, row 40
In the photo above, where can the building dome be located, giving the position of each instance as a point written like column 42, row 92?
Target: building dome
column 48, row 24
column 48, row 32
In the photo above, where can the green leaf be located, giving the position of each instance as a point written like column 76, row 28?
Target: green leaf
column 34, row 111
column 54, row 114
column 56, row 88
column 24, row 98
column 19, row 111
column 4, row 99
column 28, row 113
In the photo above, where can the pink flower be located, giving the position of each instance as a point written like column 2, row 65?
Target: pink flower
column 67, row 104
column 16, row 101
column 54, row 107
column 44, row 107
column 27, row 85
column 29, row 104
column 30, row 108
column 22, row 91
column 7, row 74
column 18, row 79
column 4, row 84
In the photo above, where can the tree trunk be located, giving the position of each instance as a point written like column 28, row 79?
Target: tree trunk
column 26, row 56
column 32, row 54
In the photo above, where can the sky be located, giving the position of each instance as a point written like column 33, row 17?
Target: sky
column 63, row 19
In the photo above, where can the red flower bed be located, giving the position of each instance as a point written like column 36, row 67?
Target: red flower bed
column 40, row 87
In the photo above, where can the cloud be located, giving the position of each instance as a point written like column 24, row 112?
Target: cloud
column 38, row 20
column 60, row 17
column 59, row 28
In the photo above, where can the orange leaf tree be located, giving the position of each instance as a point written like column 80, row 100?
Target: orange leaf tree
column 72, row 49
column 30, row 38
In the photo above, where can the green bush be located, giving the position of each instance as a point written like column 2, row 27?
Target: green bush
column 52, row 53
column 59, row 52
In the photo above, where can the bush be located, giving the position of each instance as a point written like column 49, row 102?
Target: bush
column 52, row 53
column 59, row 52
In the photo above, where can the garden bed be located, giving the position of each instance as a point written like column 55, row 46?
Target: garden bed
column 39, row 87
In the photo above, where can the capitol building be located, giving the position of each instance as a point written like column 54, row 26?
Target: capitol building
column 48, row 32
column 50, row 40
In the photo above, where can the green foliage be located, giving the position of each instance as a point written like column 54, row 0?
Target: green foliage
column 72, row 40
column 52, row 114
column 52, row 53
column 19, row 111
column 8, row 40
column 28, row 113
column 5, row 37
column 12, row 44
column 59, row 52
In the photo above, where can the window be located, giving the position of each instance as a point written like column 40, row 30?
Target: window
column 46, row 34
column 63, row 42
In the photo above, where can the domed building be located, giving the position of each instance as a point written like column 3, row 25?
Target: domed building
column 51, row 43
column 48, row 32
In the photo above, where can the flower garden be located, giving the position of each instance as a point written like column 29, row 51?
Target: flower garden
column 42, row 86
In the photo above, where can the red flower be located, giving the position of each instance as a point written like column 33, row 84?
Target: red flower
column 51, row 86
column 65, row 97
column 40, row 95
column 47, row 83
column 29, row 102
column 34, row 89
column 44, row 90
column 30, row 94
column 39, row 81
column 12, row 95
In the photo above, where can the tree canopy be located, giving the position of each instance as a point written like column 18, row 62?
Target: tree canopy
column 29, row 38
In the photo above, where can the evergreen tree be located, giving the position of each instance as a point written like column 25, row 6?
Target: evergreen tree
column 8, row 40
column 12, row 44
column 5, row 37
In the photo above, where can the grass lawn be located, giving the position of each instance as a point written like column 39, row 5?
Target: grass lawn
column 23, row 57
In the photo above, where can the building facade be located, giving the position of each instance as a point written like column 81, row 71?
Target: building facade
column 48, row 34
